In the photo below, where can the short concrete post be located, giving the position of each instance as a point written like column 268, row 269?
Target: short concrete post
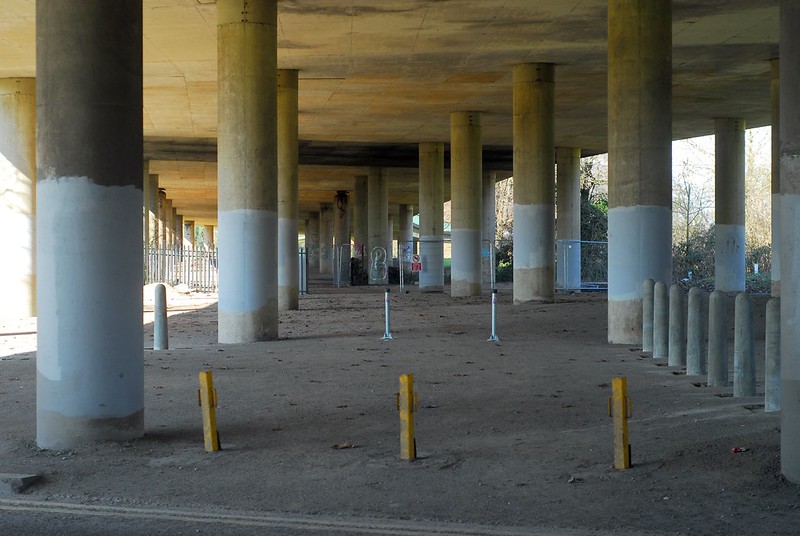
column 717, row 341
column 660, row 320
column 160, row 335
column 696, row 333
column 647, row 315
column 677, row 328
column 772, row 367
column 744, row 355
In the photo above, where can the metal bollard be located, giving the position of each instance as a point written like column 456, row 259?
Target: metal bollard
column 647, row 315
column 677, row 328
column 772, row 366
column 744, row 355
column 620, row 407
column 696, row 333
column 717, row 341
column 494, row 337
column 660, row 320
column 160, row 330
column 207, row 399
column 406, row 401
column 387, row 334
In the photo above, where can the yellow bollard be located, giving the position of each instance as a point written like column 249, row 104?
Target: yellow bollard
column 620, row 407
column 207, row 399
column 406, row 401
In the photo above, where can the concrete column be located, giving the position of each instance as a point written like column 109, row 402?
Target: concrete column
column 288, row 159
column 677, row 327
column 534, row 182
column 146, row 217
column 153, row 211
column 312, row 240
column 18, row 196
column 89, row 363
column 341, row 234
column 178, row 227
column 162, row 219
column 660, row 320
column 431, row 216
column 772, row 352
column 405, row 236
column 639, row 158
column 361, row 217
column 744, row 356
column 378, row 192
column 729, row 204
column 775, row 271
column 696, row 333
column 326, row 238
column 466, row 162
column 568, row 218
column 209, row 237
column 169, row 223
column 648, row 305
column 248, row 170
column 188, row 234
column 488, row 225
column 717, row 340
column 390, row 240
column 790, row 239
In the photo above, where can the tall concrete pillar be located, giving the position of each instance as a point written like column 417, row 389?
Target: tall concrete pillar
column 431, row 216
column 247, row 170
column 169, row 223
column 18, row 196
column 790, row 239
column 729, row 204
column 89, row 364
column 341, row 234
column 405, row 237
column 639, row 158
column 489, row 224
column 378, row 192
column 153, row 211
column 163, row 232
column 146, row 216
column 208, row 236
column 390, row 239
column 177, row 220
column 312, row 240
column 534, row 182
column 568, row 221
column 188, row 234
column 361, row 217
column 288, row 159
column 466, row 163
column 775, row 270
column 326, row 238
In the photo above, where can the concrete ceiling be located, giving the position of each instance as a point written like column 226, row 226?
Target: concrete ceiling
column 390, row 71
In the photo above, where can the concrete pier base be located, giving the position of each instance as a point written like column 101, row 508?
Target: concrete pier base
column 660, row 320
column 648, row 290
column 772, row 352
column 677, row 327
column 696, row 324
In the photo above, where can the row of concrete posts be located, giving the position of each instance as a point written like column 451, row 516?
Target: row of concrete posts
column 694, row 334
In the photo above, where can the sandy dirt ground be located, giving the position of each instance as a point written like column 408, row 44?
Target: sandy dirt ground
column 513, row 437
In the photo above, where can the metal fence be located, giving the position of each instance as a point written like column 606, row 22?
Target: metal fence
column 196, row 268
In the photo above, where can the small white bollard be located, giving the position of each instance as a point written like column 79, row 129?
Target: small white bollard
column 387, row 334
column 160, row 335
column 494, row 337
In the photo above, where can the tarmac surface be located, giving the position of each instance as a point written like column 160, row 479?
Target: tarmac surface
column 513, row 437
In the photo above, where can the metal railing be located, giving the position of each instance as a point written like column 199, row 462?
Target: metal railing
column 196, row 268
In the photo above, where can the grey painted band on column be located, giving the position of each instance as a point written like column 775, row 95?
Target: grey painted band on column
column 717, row 340
column 677, row 327
column 89, row 365
column 431, row 252
column 696, row 333
column 660, row 320
column 744, row 357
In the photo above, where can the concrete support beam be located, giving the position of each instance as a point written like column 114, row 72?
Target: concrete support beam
column 208, row 237
column 534, row 182
column 790, row 239
column 465, row 185
column 153, row 204
column 169, row 223
column 188, row 234
column 729, row 204
column 341, row 235
column 431, row 216
column 568, row 220
column 288, row 158
column 378, row 193
column 489, row 224
column 89, row 364
column 390, row 240
column 639, row 158
column 361, row 217
column 312, row 240
column 326, row 238
column 18, row 196
column 775, row 85
column 405, row 236
column 163, row 232
column 146, row 213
